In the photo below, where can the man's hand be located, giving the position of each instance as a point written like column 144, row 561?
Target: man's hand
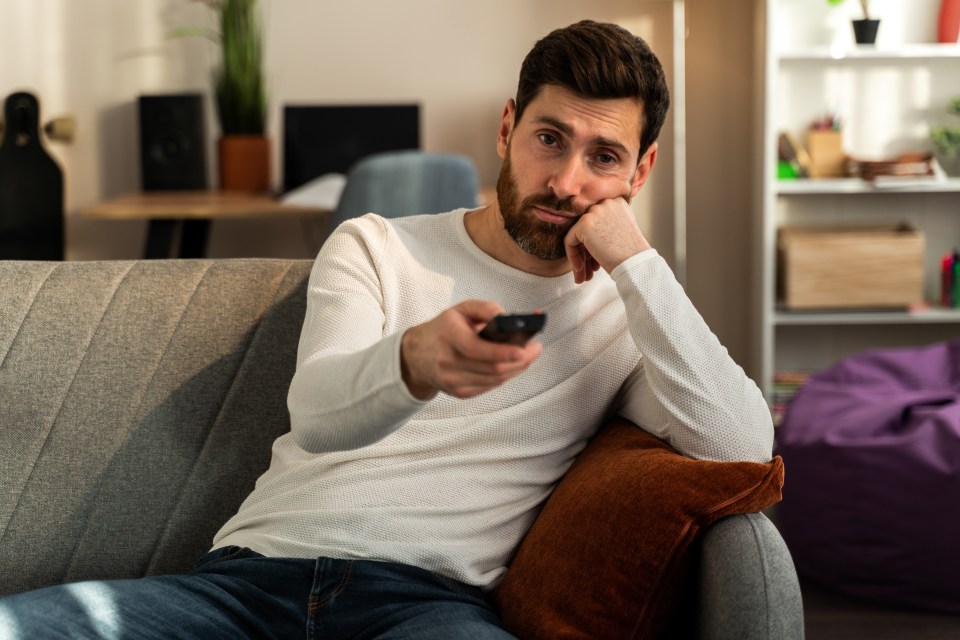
column 446, row 354
column 606, row 235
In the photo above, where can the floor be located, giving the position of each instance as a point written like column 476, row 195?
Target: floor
column 831, row 616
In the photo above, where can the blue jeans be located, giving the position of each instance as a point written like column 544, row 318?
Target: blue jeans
column 236, row 593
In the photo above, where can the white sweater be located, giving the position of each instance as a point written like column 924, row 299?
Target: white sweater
column 450, row 485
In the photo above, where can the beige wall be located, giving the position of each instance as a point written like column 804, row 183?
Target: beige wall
column 721, row 130
column 92, row 58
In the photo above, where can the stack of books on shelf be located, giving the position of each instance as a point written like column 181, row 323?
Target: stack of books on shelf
column 908, row 169
column 950, row 280
column 785, row 386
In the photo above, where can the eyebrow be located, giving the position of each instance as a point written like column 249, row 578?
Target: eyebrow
column 567, row 130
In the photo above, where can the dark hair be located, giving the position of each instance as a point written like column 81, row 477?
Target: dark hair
column 598, row 60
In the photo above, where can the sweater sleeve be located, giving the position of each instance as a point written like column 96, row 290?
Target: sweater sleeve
column 347, row 391
column 687, row 389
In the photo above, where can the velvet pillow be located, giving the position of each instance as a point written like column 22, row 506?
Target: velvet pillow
column 605, row 557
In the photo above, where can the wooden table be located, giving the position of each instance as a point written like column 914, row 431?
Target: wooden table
column 193, row 211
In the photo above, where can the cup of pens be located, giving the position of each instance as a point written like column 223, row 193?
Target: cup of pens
column 825, row 147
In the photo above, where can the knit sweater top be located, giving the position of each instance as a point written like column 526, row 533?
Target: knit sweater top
column 451, row 485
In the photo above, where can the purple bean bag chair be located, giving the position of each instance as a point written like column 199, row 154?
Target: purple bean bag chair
column 871, row 499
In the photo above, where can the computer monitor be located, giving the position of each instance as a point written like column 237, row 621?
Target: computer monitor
column 320, row 139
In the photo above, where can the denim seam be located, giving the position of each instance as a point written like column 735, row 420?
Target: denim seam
column 316, row 603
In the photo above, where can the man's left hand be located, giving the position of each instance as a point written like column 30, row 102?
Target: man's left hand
column 606, row 235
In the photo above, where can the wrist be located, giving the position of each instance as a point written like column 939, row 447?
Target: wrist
column 418, row 388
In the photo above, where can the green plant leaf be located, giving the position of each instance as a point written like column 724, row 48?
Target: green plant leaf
column 946, row 140
column 238, row 83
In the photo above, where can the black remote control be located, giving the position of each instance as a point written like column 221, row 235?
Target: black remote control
column 514, row 328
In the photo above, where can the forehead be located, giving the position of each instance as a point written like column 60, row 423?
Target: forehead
column 615, row 119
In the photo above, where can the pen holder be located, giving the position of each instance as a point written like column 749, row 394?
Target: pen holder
column 826, row 154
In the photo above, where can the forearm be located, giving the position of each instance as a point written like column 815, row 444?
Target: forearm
column 349, row 400
column 689, row 390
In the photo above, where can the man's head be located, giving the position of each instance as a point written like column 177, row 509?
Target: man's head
column 598, row 60
column 590, row 104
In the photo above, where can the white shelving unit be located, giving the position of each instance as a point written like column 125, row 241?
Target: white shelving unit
column 888, row 96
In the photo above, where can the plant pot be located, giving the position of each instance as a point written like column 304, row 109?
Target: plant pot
column 865, row 31
column 244, row 163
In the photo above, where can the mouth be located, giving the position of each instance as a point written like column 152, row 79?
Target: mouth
column 553, row 216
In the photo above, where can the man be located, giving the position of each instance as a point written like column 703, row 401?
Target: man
column 420, row 453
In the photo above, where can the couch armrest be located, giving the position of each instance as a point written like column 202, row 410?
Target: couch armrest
column 748, row 584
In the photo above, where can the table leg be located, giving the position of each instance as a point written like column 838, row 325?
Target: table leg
column 193, row 238
column 159, row 239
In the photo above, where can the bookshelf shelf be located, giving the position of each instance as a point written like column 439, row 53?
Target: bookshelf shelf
column 913, row 51
column 887, row 98
column 832, row 186
column 925, row 316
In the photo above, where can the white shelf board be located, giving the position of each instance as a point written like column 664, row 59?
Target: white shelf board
column 902, row 52
column 924, row 316
column 828, row 186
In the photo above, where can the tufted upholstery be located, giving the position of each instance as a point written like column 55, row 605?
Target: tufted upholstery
column 138, row 403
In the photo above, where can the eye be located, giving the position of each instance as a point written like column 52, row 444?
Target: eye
column 607, row 159
column 548, row 139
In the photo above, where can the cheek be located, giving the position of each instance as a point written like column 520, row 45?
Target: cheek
column 530, row 174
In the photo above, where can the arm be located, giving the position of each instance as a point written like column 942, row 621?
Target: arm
column 347, row 391
column 687, row 390
column 354, row 385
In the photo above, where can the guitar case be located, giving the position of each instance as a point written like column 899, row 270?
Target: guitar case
column 31, row 186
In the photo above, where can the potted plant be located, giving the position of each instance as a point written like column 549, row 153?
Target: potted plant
column 864, row 29
column 240, row 95
column 946, row 142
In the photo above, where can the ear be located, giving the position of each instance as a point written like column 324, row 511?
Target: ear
column 643, row 170
column 506, row 128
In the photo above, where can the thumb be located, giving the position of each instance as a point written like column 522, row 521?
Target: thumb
column 479, row 312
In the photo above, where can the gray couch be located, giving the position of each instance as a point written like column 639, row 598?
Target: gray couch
column 139, row 403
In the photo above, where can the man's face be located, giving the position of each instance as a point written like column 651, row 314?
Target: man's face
column 566, row 154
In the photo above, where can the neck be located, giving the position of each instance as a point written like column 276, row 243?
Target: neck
column 485, row 228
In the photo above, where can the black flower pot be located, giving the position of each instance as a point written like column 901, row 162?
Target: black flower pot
column 865, row 31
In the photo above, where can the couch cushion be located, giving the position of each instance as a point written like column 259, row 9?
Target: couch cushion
column 140, row 400
column 605, row 558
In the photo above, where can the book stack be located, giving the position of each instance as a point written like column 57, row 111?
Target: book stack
column 785, row 386
column 906, row 170
column 950, row 280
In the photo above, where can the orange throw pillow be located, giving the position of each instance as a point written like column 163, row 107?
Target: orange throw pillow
column 605, row 557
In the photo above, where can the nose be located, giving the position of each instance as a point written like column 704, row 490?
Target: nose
column 567, row 178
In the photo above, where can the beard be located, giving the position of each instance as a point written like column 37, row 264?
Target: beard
column 538, row 238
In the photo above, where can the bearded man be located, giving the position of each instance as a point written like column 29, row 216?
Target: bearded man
column 419, row 452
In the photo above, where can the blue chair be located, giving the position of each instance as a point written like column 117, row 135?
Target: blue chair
column 403, row 183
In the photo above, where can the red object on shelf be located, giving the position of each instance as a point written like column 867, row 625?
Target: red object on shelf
column 948, row 28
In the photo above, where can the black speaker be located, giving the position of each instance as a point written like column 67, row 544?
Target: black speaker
column 173, row 141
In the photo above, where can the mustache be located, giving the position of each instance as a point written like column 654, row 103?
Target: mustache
column 551, row 202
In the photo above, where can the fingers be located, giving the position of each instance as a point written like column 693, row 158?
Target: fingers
column 446, row 354
column 606, row 235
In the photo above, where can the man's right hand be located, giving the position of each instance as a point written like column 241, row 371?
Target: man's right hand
column 446, row 354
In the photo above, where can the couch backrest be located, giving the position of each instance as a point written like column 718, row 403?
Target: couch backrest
column 138, row 404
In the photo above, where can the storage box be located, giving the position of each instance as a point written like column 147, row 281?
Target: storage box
column 826, row 154
column 850, row 267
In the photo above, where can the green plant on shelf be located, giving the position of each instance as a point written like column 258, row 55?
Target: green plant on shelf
column 864, row 4
column 946, row 138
